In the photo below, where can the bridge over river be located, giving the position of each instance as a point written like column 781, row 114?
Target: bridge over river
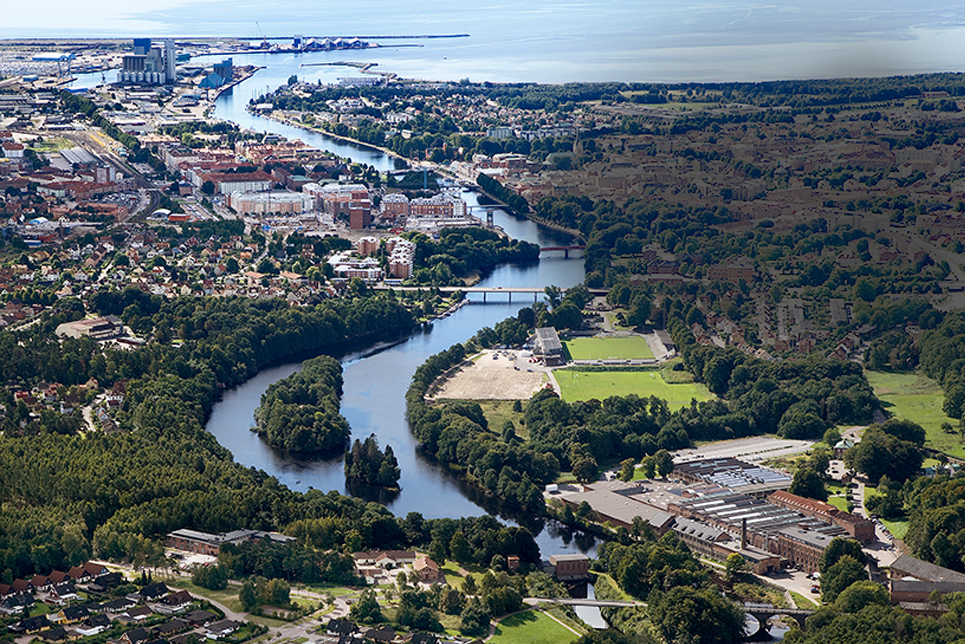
column 599, row 603
column 535, row 291
column 761, row 612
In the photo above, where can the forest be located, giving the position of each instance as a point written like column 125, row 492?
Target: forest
column 67, row 497
column 366, row 463
column 460, row 253
column 300, row 413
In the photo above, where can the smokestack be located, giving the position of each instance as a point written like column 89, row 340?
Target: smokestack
column 743, row 533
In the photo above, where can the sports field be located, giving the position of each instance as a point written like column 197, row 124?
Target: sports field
column 915, row 397
column 587, row 385
column 620, row 347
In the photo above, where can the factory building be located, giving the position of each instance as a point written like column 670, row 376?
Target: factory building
column 149, row 65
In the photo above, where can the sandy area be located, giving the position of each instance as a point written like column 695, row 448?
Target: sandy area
column 503, row 377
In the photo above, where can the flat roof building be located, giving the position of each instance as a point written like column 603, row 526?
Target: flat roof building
column 548, row 346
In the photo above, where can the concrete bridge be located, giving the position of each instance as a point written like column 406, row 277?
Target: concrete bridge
column 566, row 249
column 535, row 291
column 599, row 603
column 763, row 612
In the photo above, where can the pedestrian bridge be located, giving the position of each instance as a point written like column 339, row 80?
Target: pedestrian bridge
column 600, row 603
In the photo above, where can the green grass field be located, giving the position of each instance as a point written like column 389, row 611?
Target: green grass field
column 898, row 527
column 599, row 385
column 497, row 412
column 532, row 627
column 621, row 347
column 915, row 397
column 803, row 602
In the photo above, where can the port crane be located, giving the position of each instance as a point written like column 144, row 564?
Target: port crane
column 264, row 38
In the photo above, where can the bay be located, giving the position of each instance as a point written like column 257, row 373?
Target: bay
column 559, row 40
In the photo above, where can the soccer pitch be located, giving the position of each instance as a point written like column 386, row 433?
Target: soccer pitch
column 599, row 385
column 620, row 347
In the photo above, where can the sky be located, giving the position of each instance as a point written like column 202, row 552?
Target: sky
column 699, row 39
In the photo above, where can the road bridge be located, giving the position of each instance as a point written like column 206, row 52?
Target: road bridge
column 566, row 249
column 763, row 612
column 535, row 291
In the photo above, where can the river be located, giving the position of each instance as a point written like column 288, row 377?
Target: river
column 376, row 379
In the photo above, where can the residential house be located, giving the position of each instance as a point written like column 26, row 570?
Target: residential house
column 173, row 627
column 72, row 614
column 31, row 625
column 175, row 602
column 136, row 636
column 153, row 591
column 217, row 630
column 339, row 627
column 429, row 572
column 378, row 635
column 62, row 593
column 58, row 634
column 16, row 604
column 199, row 617
column 93, row 625
column 119, row 606
column 137, row 614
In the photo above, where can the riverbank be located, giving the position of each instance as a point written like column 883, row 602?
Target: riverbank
column 291, row 122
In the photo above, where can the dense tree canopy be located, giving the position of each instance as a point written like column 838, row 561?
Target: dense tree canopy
column 300, row 413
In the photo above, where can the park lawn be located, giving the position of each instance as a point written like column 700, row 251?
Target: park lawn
column 497, row 412
column 803, row 602
column 897, row 528
column 639, row 475
column 673, row 377
column 621, row 347
column 227, row 597
column 839, row 502
column 532, row 627
column 915, row 397
column 600, row 385
column 837, row 495
column 453, row 577
column 335, row 591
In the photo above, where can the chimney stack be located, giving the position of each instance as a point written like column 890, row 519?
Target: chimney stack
column 743, row 533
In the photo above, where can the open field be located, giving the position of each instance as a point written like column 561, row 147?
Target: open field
column 587, row 385
column 497, row 412
column 532, row 627
column 621, row 347
column 493, row 378
column 915, row 397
